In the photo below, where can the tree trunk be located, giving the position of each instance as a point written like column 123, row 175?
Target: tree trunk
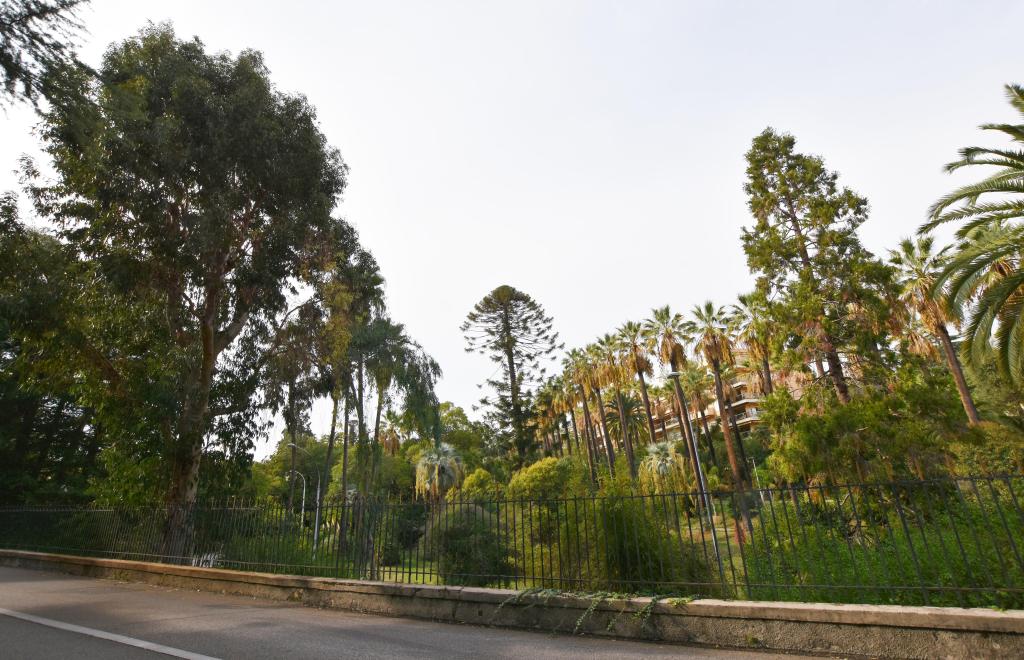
column 835, row 371
column 376, row 440
column 766, row 369
column 627, row 442
column 739, row 442
column 513, row 386
column 684, row 423
column 737, row 475
column 344, row 481
column 647, row 405
column 359, row 401
column 575, row 428
column 588, row 436
column 289, row 433
column 958, row 375
column 326, row 477
column 604, row 431
column 710, row 441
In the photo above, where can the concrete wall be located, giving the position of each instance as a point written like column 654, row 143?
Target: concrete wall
column 847, row 630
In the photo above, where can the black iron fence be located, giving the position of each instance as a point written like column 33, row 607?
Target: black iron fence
column 937, row 542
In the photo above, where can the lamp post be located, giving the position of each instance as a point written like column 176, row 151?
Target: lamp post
column 316, row 516
column 702, row 484
column 302, row 514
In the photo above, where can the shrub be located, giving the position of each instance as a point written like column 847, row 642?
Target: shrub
column 479, row 486
column 468, row 549
column 990, row 448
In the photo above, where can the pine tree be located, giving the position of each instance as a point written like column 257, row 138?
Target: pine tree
column 512, row 329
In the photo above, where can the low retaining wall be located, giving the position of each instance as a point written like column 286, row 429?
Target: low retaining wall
column 859, row 630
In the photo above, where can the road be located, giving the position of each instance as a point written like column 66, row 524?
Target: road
column 50, row 615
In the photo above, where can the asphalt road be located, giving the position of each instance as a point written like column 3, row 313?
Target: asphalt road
column 49, row 615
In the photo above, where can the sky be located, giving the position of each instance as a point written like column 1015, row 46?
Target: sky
column 591, row 153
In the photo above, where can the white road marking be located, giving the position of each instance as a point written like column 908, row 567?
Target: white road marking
column 120, row 639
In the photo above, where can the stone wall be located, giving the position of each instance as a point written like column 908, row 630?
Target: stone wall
column 846, row 630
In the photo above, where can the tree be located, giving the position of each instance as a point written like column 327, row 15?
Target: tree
column 985, row 270
column 49, row 443
column 438, row 471
column 36, row 36
column 752, row 327
column 710, row 331
column 919, row 269
column 662, row 470
column 604, row 370
column 512, row 329
column 665, row 333
column 203, row 194
column 804, row 249
column 293, row 381
column 632, row 341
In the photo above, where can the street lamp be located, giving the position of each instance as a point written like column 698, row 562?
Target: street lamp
column 302, row 519
column 316, row 516
column 702, row 484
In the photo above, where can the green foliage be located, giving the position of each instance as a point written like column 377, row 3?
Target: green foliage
column 201, row 198
column 479, row 486
column 514, row 332
column 35, row 38
column 546, row 479
column 958, row 548
column 828, row 293
column 639, row 549
column 990, row 449
column 471, row 553
column 880, row 435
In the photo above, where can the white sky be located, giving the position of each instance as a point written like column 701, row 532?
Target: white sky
column 591, row 153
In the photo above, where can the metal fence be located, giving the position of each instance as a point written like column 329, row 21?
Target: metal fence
column 936, row 542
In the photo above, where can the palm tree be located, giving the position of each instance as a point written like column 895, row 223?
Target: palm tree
column 696, row 382
column 575, row 369
column 607, row 370
column 749, row 320
column 919, row 268
column 989, row 212
column 625, row 415
column 666, row 338
column 633, row 343
column 662, row 469
column 438, row 471
column 710, row 330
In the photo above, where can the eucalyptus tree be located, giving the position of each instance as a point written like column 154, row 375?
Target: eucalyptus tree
column 804, row 250
column 634, row 346
column 512, row 329
column 919, row 268
column 984, row 275
column 36, row 36
column 203, row 192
